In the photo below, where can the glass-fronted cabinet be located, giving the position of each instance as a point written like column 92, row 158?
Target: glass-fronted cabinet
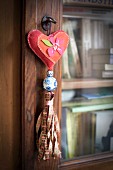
column 87, row 82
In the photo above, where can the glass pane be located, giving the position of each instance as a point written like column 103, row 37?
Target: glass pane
column 87, row 82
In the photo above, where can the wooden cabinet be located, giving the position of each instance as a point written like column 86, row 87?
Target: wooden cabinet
column 21, row 93
column 34, row 72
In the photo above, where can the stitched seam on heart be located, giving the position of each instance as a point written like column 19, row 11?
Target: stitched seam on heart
column 49, row 61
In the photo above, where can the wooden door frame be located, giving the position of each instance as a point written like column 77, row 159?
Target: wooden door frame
column 33, row 73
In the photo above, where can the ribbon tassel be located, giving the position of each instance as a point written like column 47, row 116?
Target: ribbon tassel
column 48, row 125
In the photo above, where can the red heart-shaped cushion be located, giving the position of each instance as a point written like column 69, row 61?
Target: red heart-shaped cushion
column 48, row 48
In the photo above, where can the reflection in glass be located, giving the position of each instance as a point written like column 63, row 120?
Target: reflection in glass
column 87, row 112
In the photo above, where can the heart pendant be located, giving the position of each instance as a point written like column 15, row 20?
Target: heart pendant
column 48, row 48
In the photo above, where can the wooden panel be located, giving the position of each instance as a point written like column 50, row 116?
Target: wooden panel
column 34, row 71
column 10, row 119
column 29, row 88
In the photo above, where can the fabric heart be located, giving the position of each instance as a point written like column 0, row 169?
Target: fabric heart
column 48, row 48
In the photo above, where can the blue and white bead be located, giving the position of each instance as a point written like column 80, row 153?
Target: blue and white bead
column 50, row 82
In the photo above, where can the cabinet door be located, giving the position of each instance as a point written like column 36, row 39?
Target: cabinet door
column 87, row 86
column 34, row 72
column 10, row 90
